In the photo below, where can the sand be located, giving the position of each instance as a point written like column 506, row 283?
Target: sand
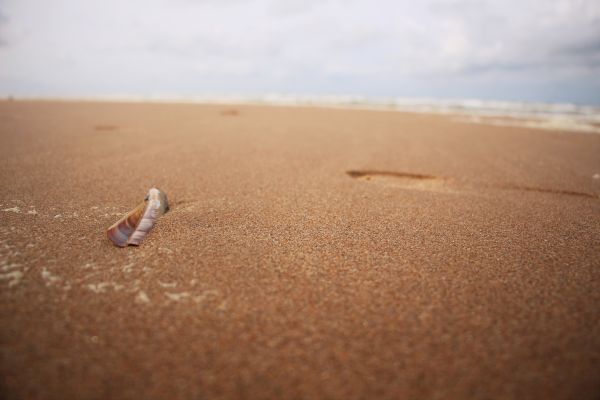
column 309, row 253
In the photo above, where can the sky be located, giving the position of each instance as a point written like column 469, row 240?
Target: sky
column 517, row 50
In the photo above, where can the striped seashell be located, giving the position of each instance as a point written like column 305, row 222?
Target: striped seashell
column 133, row 227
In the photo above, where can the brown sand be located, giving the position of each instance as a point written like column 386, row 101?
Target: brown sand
column 309, row 253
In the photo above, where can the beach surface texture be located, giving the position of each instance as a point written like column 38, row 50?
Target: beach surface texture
column 308, row 253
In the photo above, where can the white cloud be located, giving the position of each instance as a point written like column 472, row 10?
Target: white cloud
column 524, row 49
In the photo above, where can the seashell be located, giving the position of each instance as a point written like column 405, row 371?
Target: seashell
column 133, row 227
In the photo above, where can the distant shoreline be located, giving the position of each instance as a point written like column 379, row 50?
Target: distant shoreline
column 536, row 115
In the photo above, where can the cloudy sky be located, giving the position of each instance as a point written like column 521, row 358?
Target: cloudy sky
column 528, row 50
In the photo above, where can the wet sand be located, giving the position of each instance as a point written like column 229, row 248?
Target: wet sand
column 309, row 253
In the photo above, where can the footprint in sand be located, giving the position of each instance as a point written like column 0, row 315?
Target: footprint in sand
column 105, row 128
column 404, row 180
column 413, row 181
column 230, row 112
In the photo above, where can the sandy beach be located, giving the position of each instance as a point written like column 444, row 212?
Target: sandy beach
column 308, row 253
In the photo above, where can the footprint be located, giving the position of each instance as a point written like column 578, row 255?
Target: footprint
column 413, row 181
column 105, row 128
column 550, row 191
column 230, row 112
column 405, row 180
